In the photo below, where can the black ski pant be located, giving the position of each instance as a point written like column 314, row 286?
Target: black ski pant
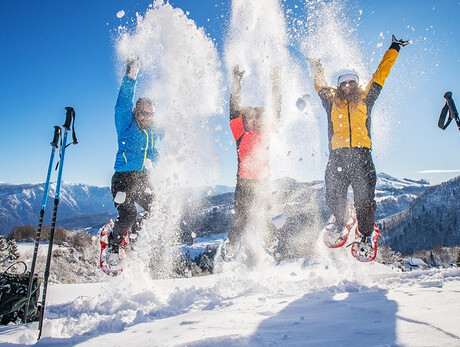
column 352, row 166
column 135, row 186
column 250, row 192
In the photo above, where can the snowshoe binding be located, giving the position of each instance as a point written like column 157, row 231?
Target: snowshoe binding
column 229, row 251
column 112, row 256
column 334, row 235
column 365, row 248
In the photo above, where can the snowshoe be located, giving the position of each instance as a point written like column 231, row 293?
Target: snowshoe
column 365, row 250
column 273, row 247
column 111, row 261
column 335, row 236
column 229, row 251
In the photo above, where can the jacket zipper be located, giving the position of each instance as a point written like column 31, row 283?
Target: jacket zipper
column 349, row 121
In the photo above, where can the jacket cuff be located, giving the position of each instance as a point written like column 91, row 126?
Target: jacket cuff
column 396, row 46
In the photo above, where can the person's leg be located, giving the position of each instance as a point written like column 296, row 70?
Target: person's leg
column 124, row 203
column 143, row 196
column 364, row 179
column 243, row 198
column 337, row 182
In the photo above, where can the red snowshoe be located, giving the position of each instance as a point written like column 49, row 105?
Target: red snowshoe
column 334, row 237
column 111, row 269
column 365, row 248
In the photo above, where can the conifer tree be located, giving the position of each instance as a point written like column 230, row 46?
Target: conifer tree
column 458, row 258
column 13, row 252
column 3, row 248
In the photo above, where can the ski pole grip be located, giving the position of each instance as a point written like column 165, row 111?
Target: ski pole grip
column 57, row 135
column 69, row 116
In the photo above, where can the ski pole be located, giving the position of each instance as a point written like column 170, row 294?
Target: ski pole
column 70, row 119
column 449, row 108
column 54, row 146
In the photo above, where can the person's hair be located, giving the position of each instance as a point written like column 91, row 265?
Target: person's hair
column 143, row 101
column 353, row 98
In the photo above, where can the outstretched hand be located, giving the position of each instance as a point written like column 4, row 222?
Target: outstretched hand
column 399, row 42
column 133, row 65
column 315, row 62
column 275, row 75
column 237, row 73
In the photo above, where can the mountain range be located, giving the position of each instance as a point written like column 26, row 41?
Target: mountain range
column 431, row 219
column 413, row 214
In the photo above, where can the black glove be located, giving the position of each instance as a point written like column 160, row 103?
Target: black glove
column 398, row 43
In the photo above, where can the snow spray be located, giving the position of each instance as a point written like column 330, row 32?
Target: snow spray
column 181, row 74
column 257, row 42
column 331, row 35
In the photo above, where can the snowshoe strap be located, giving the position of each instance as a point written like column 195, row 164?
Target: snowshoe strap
column 18, row 262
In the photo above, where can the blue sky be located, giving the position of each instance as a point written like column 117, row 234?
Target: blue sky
column 61, row 53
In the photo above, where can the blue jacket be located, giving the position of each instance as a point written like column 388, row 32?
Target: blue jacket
column 135, row 144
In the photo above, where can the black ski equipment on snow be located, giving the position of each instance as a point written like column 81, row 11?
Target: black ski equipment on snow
column 17, row 301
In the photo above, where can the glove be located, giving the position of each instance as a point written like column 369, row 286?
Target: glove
column 133, row 66
column 275, row 75
column 237, row 74
column 315, row 65
column 398, row 43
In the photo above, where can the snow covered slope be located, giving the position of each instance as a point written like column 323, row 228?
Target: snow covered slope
column 329, row 301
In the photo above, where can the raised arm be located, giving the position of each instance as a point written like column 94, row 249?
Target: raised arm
column 124, row 105
column 277, row 92
column 235, row 93
column 383, row 71
column 317, row 70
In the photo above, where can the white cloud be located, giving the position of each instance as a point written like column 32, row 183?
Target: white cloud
column 437, row 171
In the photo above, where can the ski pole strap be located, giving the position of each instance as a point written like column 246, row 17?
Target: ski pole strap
column 57, row 136
column 449, row 111
column 442, row 122
column 70, row 121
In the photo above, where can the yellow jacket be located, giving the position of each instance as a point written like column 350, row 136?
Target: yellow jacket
column 349, row 124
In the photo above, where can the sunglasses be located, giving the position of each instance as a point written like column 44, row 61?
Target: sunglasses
column 145, row 114
column 254, row 116
column 347, row 83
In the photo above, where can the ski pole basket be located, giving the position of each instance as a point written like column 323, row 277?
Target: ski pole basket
column 13, row 296
column 448, row 112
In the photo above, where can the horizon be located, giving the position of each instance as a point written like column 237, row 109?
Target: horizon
column 64, row 182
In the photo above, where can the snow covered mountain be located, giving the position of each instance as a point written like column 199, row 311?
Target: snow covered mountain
column 432, row 219
column 84, row 206
column 21, row 204
column 303, row 204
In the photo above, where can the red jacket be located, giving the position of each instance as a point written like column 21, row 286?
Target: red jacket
column 252, row 149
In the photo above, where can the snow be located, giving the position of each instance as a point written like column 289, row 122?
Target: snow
column 336, row 302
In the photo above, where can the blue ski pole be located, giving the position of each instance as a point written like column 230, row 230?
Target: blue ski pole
column 70, row 119
column 54, row 146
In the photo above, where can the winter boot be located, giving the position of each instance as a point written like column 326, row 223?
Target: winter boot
column 365, row 250
column 335, row 235
column 113, row 254
column 229, row 251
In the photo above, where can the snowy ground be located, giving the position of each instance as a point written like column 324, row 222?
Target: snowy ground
column 335, row 302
